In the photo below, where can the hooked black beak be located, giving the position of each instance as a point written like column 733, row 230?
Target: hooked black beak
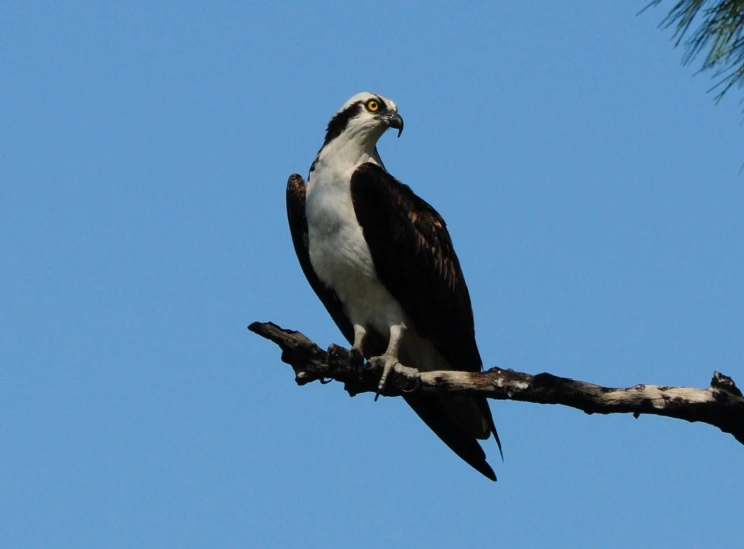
column 395, row 121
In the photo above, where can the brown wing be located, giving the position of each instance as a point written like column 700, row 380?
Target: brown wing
column 296, row 190
column 414, row 258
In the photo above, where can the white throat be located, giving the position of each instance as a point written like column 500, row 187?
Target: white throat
column 339, row 158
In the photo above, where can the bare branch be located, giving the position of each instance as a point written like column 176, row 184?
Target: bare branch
column 720, row 405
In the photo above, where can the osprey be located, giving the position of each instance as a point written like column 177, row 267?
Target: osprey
column 382, row 262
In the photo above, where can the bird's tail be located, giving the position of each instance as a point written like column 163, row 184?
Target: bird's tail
column 458, row 420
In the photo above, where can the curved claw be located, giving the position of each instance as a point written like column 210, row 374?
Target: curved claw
column 416, row 386
column 390, row 364
column 325, row 380
column 356, row 357
column 377, row 394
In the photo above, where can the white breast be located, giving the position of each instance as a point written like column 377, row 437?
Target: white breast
column 340, row 254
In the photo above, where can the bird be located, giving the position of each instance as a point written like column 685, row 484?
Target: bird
column 382, row 262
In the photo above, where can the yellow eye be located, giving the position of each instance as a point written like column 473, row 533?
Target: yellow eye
column 373, row 106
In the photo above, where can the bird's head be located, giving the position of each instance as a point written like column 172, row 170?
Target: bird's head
column 364, row 118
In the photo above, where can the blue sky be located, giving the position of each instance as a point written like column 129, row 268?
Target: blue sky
column 593, row 192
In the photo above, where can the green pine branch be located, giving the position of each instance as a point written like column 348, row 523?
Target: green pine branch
column 715, row 28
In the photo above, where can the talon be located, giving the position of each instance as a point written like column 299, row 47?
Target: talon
column 390, row 365
column 416, row 386
column 325, row 380
column 356, row 357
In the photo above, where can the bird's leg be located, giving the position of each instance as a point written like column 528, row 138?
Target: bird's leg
column 390, row 358
column 357, row 354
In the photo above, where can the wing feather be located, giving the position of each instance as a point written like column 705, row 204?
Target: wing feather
column 296, row 192
column 414, row 258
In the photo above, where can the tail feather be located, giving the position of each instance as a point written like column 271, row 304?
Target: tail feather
column 468, row 415
column 436, row 415
column 458, row 420
column 486, row 411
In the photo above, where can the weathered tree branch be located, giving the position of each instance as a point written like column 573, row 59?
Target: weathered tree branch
column 720, row 405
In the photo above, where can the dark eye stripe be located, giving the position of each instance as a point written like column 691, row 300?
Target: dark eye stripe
column 338, row 123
